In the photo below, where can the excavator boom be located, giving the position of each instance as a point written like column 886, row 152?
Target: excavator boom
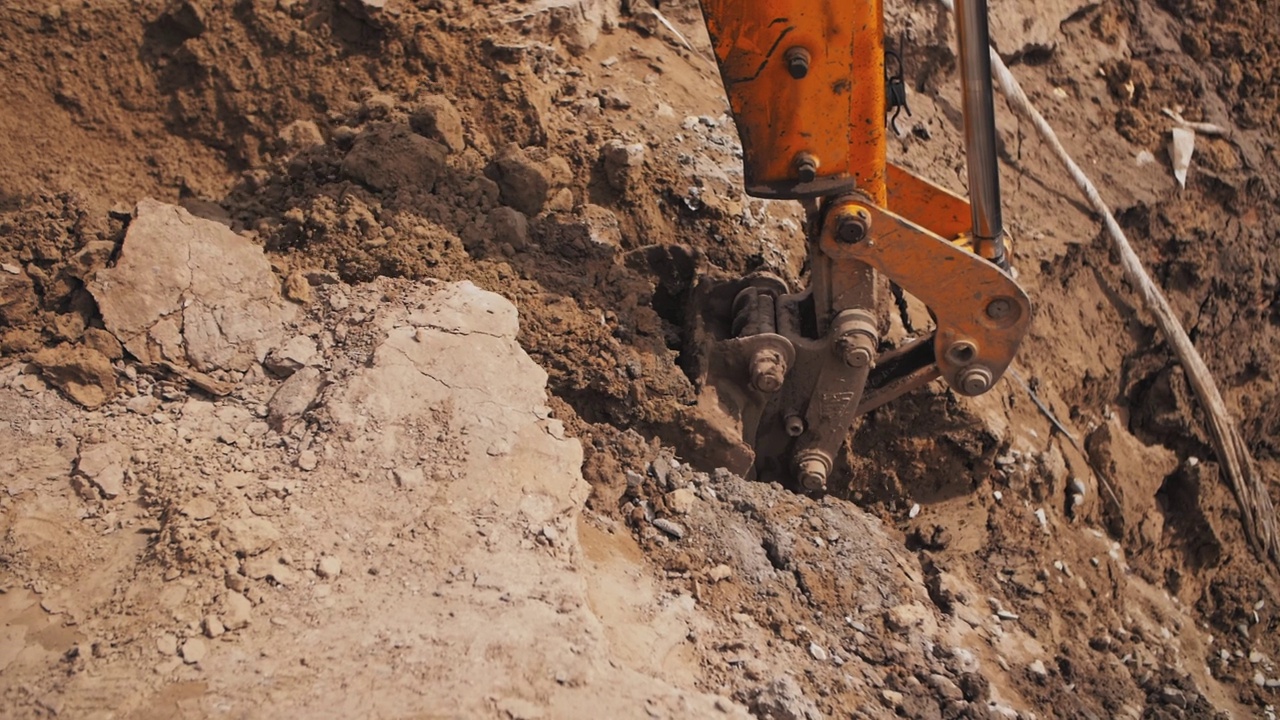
column 791, row 371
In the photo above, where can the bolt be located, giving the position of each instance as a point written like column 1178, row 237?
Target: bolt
column 806, row 167
column 797, row 62
column 794, row 425
column 999, row 309
column 961, row 352
column 768, row 371
column 813, row 475
column 856, row 349
column 852, row 227
column 857, row 357
column 975, row 380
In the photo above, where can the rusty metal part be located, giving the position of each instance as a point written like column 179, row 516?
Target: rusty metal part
column 806, row 167
column 768, row 370
column 852, row 225
column 798, row 62
column 813, row 468
column 956, row 284
column 809, row 415
column 961, row 352
column 836, row 113
column 898, row 372
column 858, row 339
column 975, row 380
column 794, row 425
column 784, row 376
column 1000, row 308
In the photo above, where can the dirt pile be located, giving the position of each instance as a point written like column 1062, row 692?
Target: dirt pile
column 288, row 465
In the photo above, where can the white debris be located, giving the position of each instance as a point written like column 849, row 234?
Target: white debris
column 1181, row 148
column 669, row 528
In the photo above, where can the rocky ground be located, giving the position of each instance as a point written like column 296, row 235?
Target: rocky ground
column 341, row 376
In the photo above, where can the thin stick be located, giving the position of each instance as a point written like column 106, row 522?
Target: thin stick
column 1057, row 424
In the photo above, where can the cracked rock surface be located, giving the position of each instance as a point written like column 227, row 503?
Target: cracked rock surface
column 190, row 291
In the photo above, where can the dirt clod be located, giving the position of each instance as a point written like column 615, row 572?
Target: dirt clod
column 85, row 375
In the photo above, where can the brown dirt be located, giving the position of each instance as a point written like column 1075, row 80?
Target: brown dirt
column 1145, row 593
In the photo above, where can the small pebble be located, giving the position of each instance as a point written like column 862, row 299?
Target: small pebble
column 167, row 644
column 307, row 460
column 817, row 652
column 213, row 626
column 193, row 650
column 551, row 534
column 329, row 567
column 201, row 508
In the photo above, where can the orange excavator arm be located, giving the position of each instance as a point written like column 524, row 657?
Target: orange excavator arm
column 806, row 84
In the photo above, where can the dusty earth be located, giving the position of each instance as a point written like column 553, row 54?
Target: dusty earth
column 341, row 376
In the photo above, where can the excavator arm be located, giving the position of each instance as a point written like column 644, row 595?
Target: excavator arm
column 790, row 372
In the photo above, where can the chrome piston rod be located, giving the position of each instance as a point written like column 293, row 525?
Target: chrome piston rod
column 979, row 122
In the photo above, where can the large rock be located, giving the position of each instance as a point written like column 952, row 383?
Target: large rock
column 437, row 119
column 523, row 183
column 190, row 292
column 517, row 610
column 388, row 157
column 621, row 163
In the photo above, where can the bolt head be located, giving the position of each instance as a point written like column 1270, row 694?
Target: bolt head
column 798, row 62
column 795, row 425
column 766, row 381
column 806, row 168
column 999, row 309
column 813, row 475
column 857, row 357
column 975, row 380
column 851, row 229
column 813, row 482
